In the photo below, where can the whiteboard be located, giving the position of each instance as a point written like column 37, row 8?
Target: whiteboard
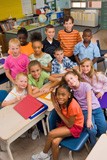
column 26, row 6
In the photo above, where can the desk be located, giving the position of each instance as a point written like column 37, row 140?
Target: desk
column 50, row 107
column 13, row 125
column 99, row 152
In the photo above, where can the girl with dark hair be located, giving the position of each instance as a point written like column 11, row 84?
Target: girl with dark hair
column 72, row 122
column 44, row 58
column 26, row 47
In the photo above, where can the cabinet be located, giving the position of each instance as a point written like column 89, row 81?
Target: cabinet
column 85, row 17
column 104, row 15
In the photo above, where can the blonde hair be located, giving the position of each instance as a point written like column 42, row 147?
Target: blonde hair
column 92, row 71
column 19, row 75
column 14, row 41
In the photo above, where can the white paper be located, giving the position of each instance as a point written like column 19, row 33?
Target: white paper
column 26, row 7
column 48, row 96
column 39, row 4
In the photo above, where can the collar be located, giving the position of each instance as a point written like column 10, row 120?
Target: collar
column 68, row 32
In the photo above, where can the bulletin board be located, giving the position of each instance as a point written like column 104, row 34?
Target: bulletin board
column 10, row 8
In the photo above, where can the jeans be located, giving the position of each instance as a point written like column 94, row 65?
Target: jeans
column 99, row 124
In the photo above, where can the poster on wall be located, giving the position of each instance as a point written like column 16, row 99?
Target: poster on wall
column 26, row 7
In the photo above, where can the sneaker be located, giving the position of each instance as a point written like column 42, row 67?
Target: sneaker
column 41, row 156
column 35, row 134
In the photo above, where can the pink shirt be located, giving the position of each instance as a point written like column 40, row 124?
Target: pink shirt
column 99, row 83
column 16, row 64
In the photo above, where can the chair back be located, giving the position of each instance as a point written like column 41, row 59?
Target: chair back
column 3, row 94
column 53, row 119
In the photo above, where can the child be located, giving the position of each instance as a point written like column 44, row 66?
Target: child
column 69, row 37
column 18, row 92
column 44, row 58
column 26, row 47
column 37, row 78
column 72, row 122
column 49, row 43
column 93, row 116
column 16, row 62
column 61, row 64
column 97, row 80
column 86, row 49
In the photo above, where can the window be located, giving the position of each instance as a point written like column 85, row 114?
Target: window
column 78, row 4
column 94, row 4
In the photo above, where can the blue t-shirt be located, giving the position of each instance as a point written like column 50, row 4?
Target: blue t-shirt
column 91, row 52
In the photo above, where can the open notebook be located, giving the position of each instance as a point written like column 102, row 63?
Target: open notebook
column 28, row 106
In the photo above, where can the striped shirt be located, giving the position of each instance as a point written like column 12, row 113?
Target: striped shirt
column 68, row 41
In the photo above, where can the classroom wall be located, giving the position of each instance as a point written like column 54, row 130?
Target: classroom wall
column 11, row 8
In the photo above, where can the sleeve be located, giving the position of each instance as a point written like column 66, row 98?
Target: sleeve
column 74, row 108
column 103, row 79
column 88, row 87
column 10, row 96
column 6, row 64
column 58, row 37
column 76, row 49
column 53, row 68
column 48, row 58
column 96, row 51
column 79, row 39
column 70, row 63
column 27, row 62
column 45, row 75
column 29, row 80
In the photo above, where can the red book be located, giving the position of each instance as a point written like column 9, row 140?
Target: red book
column 28, row 106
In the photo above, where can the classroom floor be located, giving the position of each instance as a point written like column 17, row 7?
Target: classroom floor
column 23, row 148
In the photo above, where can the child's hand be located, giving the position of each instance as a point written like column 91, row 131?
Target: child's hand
column 55, row 102
column 99, row 95
column 44, row 90
column 35, row 90
column 89, row 124
column 105, row 55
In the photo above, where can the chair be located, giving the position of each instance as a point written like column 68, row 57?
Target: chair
column 73, row 144
column 3, row 94
column 3, row 78
column 102, row 52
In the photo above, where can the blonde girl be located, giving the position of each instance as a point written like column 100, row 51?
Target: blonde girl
column 18, row 92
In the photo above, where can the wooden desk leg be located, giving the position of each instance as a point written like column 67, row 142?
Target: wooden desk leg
column 44, row 127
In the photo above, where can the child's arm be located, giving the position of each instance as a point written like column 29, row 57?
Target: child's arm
column 95, row 60
column 7, row 71
column 10, row 102
column 58, row 75
column 89, row 116
column 68, row 122
column 77, row 59
column 54, row 82
column 48, row 68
